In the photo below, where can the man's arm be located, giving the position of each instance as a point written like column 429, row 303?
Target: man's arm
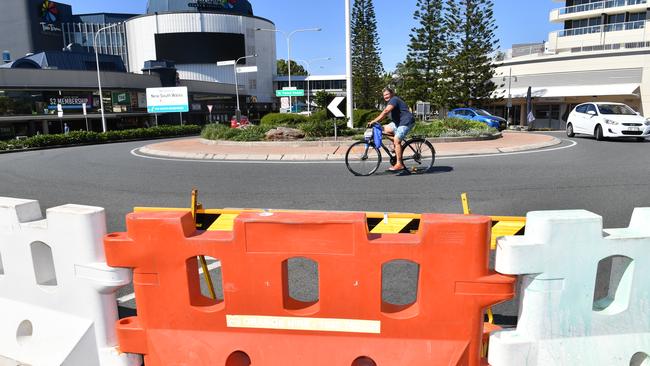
column 383, row 114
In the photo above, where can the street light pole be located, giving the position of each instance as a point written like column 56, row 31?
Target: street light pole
column 509, row 102
column 99, row 79
column 348, row 65
column 238, row 111
column 288, row 38
column 309, row 75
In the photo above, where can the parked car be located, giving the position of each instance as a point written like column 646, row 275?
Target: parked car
column 479, row 115
column 243, row 122
column 603, row 120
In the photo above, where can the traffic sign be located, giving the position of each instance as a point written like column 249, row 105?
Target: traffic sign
column 333, row 108
column 246, row 69
column 290, row 93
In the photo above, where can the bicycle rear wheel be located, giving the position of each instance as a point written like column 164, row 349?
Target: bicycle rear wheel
column 362, row 158
column 418, row 156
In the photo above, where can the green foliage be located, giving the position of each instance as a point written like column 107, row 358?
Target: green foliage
column 84, row 137
column 282, row 119
column 366, row 61
column 223, row 132
column 469, row 67
column 451, row 127
column 363, row 116
column 318, row 116
column 296, row 69
column 322, row 128
column 426, row 54
column 323, row 98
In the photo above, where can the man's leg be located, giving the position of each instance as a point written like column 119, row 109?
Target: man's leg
column 398, row 153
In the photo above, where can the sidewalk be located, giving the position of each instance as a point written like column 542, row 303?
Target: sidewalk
column 197, row 148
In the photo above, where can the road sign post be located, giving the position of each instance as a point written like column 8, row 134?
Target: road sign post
column 83, row 106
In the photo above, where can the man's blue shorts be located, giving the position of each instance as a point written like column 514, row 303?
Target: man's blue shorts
column 400, row 131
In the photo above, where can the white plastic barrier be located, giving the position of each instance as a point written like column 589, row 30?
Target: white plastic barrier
column 561, row 322
column 57, row 295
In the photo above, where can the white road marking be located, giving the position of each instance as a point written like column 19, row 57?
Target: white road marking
column 131, row 296
column 135, row 152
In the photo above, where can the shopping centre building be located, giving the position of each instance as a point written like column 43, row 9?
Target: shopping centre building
column 602, row 53
column 49, row 60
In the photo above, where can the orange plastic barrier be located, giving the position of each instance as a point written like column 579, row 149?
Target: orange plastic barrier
column 258, row 323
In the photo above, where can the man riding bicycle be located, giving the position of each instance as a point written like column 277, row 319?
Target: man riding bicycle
column 402, row 122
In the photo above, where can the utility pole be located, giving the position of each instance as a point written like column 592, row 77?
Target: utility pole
column 509, row 102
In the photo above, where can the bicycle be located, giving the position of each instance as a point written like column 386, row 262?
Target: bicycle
column 363, row 158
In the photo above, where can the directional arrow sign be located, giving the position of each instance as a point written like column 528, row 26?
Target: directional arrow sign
column 334, row 107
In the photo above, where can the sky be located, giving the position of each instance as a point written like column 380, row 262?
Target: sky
column 519, row 21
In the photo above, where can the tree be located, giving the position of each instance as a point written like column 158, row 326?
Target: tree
column 426, row 54
column 366, row 62
column 470, row 47
column 296, row 69
column 323, row 98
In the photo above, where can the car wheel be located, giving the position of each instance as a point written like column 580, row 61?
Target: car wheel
column 598, row 133
column 569, row 130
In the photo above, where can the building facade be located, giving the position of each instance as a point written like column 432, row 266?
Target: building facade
column 49, row 55
column 602, row 53
column 196, row 41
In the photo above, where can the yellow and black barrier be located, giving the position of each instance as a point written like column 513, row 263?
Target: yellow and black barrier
column 378, row 223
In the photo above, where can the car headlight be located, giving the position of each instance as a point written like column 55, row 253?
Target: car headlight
column 647, row 122
column 610, row 122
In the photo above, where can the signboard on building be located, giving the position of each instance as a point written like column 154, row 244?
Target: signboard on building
column 121, row 98
column 235, row 6
column 69, row 102
column 167, row 100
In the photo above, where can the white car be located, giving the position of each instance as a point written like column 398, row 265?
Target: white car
column 604, row 120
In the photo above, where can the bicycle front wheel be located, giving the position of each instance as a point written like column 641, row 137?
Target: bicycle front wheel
column 362, row 158
column 418, row 156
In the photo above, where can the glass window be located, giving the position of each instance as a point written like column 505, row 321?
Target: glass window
column 615, row 18
column 591, row 108
column 581, row 108
column 619, row 109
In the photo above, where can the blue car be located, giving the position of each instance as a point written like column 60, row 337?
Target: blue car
column 478, row 115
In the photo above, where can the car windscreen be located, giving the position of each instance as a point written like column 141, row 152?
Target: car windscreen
column 616, row 109
column 483, row 113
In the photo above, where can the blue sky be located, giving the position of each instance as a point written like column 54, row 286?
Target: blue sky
column 519, row 21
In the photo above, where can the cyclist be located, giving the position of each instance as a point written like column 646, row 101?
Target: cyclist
column 402, row 122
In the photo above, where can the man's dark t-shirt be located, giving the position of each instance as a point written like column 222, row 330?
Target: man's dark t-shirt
column 400, row 113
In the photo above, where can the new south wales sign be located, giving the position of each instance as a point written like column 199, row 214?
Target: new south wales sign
column 167, row 100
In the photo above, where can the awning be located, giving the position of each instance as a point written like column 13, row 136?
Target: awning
column 573, row 91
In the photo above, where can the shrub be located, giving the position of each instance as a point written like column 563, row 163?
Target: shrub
column 452, row 127
column 323, row 128
column 84, row 137
column 282, row 119
column 363, row 116
column 221, row 132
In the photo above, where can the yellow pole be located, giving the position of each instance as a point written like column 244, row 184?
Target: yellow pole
column 465, row 200
column 204, row 264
